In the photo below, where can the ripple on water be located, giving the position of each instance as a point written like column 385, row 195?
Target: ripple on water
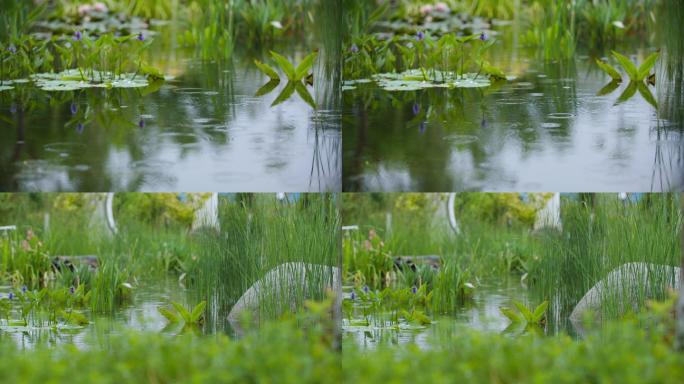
column 511, row 101
column 560, row 116
column 551, row 125
column 461, row 139
column 189, row 91
column 64, row 149
column 536, row 94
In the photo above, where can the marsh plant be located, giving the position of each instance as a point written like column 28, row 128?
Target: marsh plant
column 297, row 77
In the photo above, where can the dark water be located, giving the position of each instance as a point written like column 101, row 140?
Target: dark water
column 202, row 131
column 545, row 130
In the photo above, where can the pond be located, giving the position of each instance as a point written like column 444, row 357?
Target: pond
column 140, row 314
column 203, row 129
column 482, row 313
column 544, row 129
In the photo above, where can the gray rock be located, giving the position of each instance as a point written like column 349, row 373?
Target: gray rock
column 284, row 282
column 627, row 282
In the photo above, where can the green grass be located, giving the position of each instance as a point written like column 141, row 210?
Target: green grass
column 260, row 233
column 594, row 242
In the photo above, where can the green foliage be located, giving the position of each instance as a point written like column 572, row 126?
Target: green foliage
column 280, row 352
column 525, row 315
column 610, row 70
column 195, row 317
column 622, row 352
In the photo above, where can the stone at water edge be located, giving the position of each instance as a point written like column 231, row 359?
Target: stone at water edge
column 284, row 279
column 625, row 280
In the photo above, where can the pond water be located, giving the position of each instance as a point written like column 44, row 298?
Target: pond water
column 481, row 313
column 545, row 130
column 140, row 314
column 203, row 130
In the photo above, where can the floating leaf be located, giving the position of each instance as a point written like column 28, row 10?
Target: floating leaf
column 265, row 68
column 610, row 70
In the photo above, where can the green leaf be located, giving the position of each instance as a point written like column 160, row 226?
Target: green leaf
column 285, row 65
column 540, row 311
column 198, row 311
column 267, row 88
column 304, row 94
column 608, row 88
column 305, row 65
column 610, row 70
column 627, row 65
column 512, row 316
column 628, row 93
column 185, row 314
column 74, row 318
column 170, row 316
column 647, row 65
column 527, row 314
column 266, row 69
column 285, row 93
column 646, row 94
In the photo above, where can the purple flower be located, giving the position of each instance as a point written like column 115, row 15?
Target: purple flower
column 422, row 127
column 141, row 123
column 77, row 36
column 354, row 49
column 416, row 109
column 73, row 108
column 72, row 290
column 10, row 296
column 414, row 290
column 12, row 49
column 483, row 36
column 353, row 296
column 140, row 37
column 80, row 128
column 23, row 289
column 366, row 289
column 420, row 36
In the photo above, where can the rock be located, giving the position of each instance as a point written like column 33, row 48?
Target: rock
column 284, row 282
column 626, row 281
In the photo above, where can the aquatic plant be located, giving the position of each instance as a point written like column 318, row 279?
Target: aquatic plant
column 530, row 317
column 194, row 317
column 295, row 75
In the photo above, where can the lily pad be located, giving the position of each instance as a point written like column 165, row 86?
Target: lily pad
column 416, row 79
column 73, row 79
column 5, row 87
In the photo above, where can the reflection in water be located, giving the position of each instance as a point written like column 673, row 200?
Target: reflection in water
column 481, row 313
column 545, row 130
column 202, row 131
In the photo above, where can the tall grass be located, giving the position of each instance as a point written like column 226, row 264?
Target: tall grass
column 259, row 233
column 595, row 240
